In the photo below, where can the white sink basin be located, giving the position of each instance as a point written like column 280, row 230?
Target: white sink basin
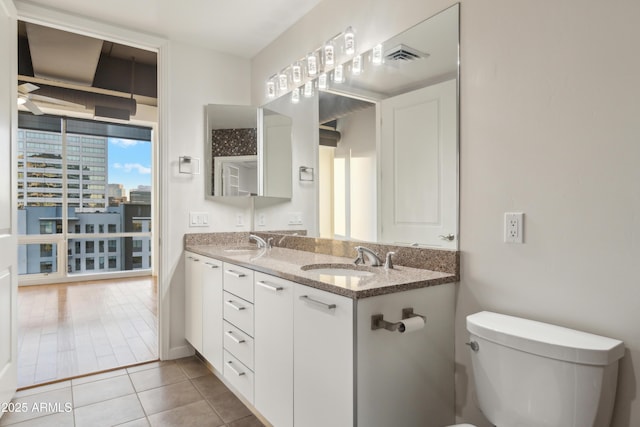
column 338, row 270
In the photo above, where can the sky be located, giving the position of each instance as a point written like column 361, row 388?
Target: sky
column 129, row 162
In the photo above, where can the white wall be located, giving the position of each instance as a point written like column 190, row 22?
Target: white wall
column 549, row 126
column 197, row 77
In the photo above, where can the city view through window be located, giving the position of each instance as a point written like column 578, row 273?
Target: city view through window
column 84, row 196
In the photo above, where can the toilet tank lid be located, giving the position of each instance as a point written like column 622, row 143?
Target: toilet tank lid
column 545, row 339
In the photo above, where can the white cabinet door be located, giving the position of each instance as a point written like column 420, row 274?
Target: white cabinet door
column 273, row 338
column 323, row 364
column 212, row 312
column 193, row 299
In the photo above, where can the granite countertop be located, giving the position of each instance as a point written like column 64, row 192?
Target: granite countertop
column 287, row 263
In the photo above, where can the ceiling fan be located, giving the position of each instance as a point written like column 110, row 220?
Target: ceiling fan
column 26, row 98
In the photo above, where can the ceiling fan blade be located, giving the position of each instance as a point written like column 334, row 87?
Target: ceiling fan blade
column 29, row 105
column 25, row 88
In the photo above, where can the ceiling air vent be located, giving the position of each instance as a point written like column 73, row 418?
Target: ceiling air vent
column 404, row 53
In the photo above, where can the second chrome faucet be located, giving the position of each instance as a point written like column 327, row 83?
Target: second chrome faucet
column 372, row 257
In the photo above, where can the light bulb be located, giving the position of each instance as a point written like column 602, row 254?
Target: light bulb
column 356, row 65
column 295, row 96
column 296, row 72
column 22, row 100
column 376, row 57
column 349, row 41
column 308, row 89
column 283, row 82
column 329, row 54
column 338, row 74
column 322, row 81
column 271, row 89
column 312, row 64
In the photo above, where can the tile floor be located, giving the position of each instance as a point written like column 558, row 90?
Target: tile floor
column 174, row 393
column 72, row 329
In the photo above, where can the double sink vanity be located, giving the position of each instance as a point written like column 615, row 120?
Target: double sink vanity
column 308, row 338
column 312, row 331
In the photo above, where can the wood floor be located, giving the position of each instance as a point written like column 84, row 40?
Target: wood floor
column 73, row 329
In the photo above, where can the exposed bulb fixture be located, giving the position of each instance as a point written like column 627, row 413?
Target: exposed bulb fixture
column 349, row 41
column 283, row 82
column 376, row 55
column 295, row 96
column 338, row 74
column 271, row 89
column 308, row 89
column 322, row 81
column 356, row 65
column 329, row 55
column 22, row 100
column 312, row 64
column 296, row 72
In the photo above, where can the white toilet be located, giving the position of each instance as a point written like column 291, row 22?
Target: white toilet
column 533, row 374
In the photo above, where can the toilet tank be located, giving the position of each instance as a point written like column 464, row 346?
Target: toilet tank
column 533, row 374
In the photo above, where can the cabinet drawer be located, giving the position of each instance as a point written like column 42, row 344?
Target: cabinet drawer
column 239, row 281
column 238, row 312
column 240, row 377
column 238, row 344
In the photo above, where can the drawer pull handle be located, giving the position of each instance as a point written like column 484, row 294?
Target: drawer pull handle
column 211, row 265
column 235, row 305
column 233, row 338
column 270, row 286
column 235, row 273
column 318, row 303
column 234, row 370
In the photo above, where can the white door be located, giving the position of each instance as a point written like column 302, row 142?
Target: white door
column 212, row 311
column 193, row 300
column 8, row 248
column 419, row 167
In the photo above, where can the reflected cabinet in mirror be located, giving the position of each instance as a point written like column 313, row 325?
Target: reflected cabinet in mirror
column 388, row 166
column 248, row 152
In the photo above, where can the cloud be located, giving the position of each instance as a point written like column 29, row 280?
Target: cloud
column 128, row 167
column 126, row 143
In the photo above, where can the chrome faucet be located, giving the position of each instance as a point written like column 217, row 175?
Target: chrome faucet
column 374, row 260
column 388, row 264
column 259, row 241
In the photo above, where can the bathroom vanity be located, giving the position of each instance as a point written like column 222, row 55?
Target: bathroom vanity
column 291, row 333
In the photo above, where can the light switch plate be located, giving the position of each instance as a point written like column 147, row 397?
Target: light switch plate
column 198, row 219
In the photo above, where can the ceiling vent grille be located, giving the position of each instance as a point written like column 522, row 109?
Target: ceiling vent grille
column 404, row 53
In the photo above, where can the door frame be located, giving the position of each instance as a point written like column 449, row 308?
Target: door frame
column 161, row 165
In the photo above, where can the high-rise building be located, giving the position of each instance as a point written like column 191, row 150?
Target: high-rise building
column 40, row 173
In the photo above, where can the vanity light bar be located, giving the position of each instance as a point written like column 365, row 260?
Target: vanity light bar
column 305, row 74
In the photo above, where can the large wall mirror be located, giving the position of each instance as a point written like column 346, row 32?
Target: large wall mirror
column 248, row 152
column 388, row 169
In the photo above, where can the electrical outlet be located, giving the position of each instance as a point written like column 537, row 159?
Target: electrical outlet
column 262, row 220
column 295, row 218
column 239, row 220
column 514, row 227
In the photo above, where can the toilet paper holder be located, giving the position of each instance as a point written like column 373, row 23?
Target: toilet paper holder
column 378, row 322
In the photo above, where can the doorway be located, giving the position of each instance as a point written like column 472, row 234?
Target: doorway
column 86, row 241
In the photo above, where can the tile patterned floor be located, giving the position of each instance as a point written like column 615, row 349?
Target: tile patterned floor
column 180, row 393
column 73, row 329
